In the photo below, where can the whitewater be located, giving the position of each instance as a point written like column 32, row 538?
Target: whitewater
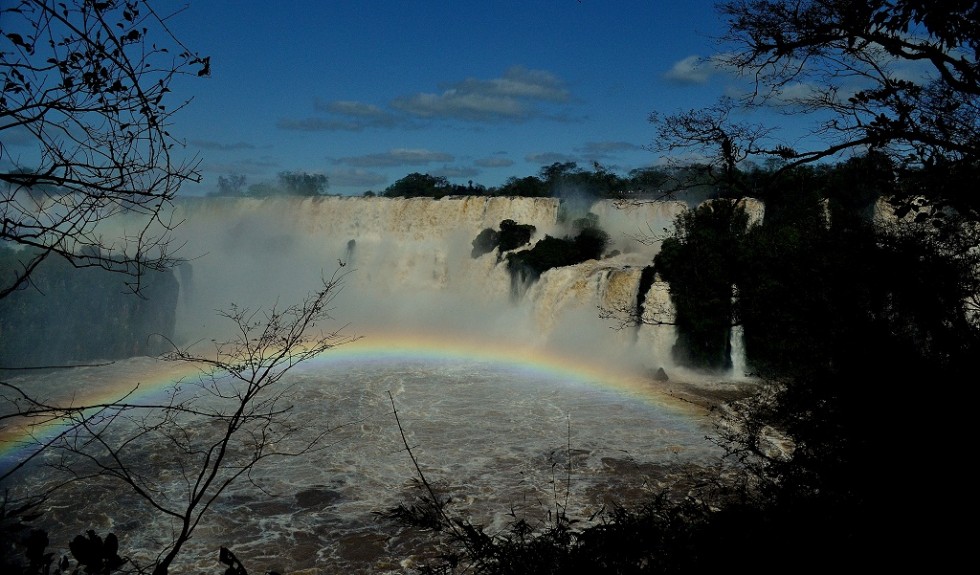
column 510, row 402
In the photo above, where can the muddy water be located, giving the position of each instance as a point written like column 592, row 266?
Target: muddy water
column 491, row 437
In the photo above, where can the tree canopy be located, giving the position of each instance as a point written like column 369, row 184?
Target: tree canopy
column 419, row 185
column 302, row 183
column 899, row 77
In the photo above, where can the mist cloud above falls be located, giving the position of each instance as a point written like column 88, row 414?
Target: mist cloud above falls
column 408, row 270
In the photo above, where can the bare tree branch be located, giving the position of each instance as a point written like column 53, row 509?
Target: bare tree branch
column 86, row 84
column 236, row 414
column 902, row 78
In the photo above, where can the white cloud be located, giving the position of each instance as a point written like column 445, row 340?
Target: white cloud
column 519, row 82
column 456, row 172
column 607, row 149
column 517, row 96
column 494, row 162
column 317, row 124
column 691, row 70
column 462, row 105
column 350, row 108
column 797, row 92
column 343, row 116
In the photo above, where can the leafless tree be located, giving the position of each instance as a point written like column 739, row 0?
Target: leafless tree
column 899, row 77
column 84, row 120
column 217, row 427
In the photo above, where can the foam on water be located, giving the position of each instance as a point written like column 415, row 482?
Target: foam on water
column 496, row 396
column 491, row 424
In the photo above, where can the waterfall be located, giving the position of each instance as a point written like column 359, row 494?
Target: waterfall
column 657, row 331
column 410, row 283
column 737, row 343
column 409, row 266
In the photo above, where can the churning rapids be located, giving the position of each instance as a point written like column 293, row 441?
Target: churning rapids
column 498, row 388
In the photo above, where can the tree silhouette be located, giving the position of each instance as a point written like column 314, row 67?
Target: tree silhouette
column 84, row 115
column 218, row 427
column 900, row 78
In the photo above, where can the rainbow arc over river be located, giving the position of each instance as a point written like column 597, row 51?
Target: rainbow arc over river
column 147, row 380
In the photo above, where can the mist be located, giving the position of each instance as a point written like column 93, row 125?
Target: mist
column 494, row 384
column 407, row 268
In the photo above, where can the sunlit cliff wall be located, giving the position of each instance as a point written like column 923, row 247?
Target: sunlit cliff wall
column 410, row 267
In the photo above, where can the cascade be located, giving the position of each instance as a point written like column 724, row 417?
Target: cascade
column 444, row 337
column 736, row 344
column 657, row 331
column 410, row 264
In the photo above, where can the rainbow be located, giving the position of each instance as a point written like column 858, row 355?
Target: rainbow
column 140, row 381
column 561, row 368
column 144, row 380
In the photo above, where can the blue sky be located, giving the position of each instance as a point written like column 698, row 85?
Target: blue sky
column 369, row 91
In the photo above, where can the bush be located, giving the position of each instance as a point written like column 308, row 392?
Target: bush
column 552, row 252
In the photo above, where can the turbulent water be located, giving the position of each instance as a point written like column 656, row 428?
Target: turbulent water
column 497, row 393
column 495, row 437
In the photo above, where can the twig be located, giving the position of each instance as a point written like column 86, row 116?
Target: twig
column 415, row 462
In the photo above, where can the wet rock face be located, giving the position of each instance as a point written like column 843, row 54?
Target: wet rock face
column 72, row 315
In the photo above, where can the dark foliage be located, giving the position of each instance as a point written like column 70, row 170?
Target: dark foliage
column 98, row 556
column 23, row 548
column 847, row 321
column 416, row 185
column 559, row 180
column 514, row 235
column 485, row 242
column 302, row 183
column 295, row 184
column 590, row 243
column 551, row 252
column 235, row 567
column 529, row 187
column 511, row 236
column 700, row 265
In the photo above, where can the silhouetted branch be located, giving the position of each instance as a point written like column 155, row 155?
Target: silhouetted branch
column 86, row 83
column 217, row 427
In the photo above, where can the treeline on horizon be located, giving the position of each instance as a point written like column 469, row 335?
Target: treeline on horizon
column 693, row 183
column 551, row 181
